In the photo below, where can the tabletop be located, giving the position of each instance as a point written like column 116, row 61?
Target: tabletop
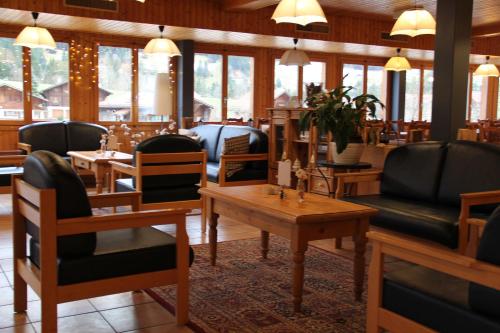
column 98, row 157
column 315, row 208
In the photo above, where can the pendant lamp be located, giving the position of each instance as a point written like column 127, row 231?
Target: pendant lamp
column 35, row 37
column 397, row 63
column 487, row 69
column 414, row 22
column 300, row 12
column 162, row 45
column 294, row 57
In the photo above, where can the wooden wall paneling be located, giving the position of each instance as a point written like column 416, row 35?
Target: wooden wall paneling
column 492, row 102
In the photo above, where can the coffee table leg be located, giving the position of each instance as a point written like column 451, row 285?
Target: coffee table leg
column 212, row 234
column 360, row 241
column 99, row 179
column 264, row 241
column 298, row 250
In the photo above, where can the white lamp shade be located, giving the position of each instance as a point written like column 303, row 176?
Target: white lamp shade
column 487, row 70
column 35, row 37
column 414, row 22
column 294, row 58
column 300, row 12
column 163, row 46
column 397, row 64
column 163, row 96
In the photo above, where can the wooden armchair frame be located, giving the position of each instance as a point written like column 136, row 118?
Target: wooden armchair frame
column 194, row 162
column 17, row 160
column 429, row 256
column 24, row 147
column 39, row 206
column 239, row 158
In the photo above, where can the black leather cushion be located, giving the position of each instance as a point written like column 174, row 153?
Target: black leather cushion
column 171, row 143
column 49, row 136
column 6, row 174
column 249, row 173
column 413, row 171
column 484, row 299
column 209, row 139
column 166, row 194
column 118, row 253
column 469, row 167
column 423, row 219
column 84, row 136
column 43, row 170
column 435, row 300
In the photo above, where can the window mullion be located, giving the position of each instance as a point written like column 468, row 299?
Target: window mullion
column 225, row 83
column 27, row 85
column 135, row 86
column 421, row 94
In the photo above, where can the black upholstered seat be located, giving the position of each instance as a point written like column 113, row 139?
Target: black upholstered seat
column 164, row 194
column 97, row 255
column 421, row 186
column 445, row 303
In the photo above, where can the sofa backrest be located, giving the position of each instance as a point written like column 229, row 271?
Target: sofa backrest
column 209, row 139
column 171, row 143
column 483, row 299
column 49, row 136
column 413, row 170
column 44, row 169
column 469, row 167
column 83, row 136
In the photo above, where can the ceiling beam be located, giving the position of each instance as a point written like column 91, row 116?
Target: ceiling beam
column 239, row 5
column 488, row 30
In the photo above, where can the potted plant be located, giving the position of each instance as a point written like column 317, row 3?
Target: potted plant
column 343, row 116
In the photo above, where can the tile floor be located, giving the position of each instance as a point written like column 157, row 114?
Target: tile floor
column 126, row 312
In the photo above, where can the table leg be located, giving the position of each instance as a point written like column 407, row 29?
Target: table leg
column 99, row 179
column 264, row 241
column 298, row 251
column 212, row 234
column 360, row 241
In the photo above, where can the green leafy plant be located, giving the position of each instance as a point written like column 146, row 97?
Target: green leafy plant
column 342, row 115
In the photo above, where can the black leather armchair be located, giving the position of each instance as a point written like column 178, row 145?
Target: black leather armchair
column 440, row 291
column 421, row 188
column 60, row 137
column 76, row 255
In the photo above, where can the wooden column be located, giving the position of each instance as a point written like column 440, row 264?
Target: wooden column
column 185, row 80
column 451, row 65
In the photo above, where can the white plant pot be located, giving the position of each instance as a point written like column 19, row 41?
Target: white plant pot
column 351, row 155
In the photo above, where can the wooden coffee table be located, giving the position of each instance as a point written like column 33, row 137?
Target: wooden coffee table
column 318, row 217
column 97, row 162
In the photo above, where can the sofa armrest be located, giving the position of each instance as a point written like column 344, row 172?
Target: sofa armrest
column 435, row 258
column 25, row 147
column 467, row 201
column 244, row 157
column 358, row 177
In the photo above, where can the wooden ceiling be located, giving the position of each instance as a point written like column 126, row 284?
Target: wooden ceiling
column 484, row 12
column 19, row 18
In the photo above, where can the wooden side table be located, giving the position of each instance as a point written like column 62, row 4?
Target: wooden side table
column 97, row 162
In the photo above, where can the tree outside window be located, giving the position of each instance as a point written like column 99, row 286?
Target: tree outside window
column 11, row 80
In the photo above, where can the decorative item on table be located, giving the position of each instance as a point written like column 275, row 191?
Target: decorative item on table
column 104, row 142
column 169, row 129
column 284, row 174
column 135, row 138
column 112, row 144
column 296, row 165
column 343, row 116
column 301, row 183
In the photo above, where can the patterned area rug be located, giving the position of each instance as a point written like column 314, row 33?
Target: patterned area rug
column 245, row 293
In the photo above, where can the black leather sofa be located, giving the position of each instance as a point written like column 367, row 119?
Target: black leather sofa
column 421, row 185
column 60, row 137
column 212, row 140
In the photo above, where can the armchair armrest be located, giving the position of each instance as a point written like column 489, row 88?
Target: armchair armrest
column 12, row 159
column 121, row 221
column 436, row 258
column 358, row 177
column 244, row 157
column 123, row 168
column 468, row 200
column 24, row 146
column 116, row 199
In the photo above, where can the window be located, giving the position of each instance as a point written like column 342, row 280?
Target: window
column 313, row 73
column 207, row 87
column 149, row 67
column 286, row 84
column 477, row 98
column 219, row 96
column 115, row 83
column 240, row 87
column 427, row 94
column 355, row 75
column 412, row 95
column 11, row 80
column 50, row 83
